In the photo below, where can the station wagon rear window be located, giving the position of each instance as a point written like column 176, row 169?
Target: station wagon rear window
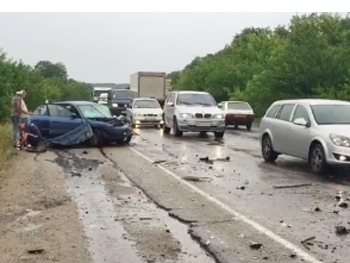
column 331, row 114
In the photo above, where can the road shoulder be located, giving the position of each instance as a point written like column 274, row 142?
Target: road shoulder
column 36, row 213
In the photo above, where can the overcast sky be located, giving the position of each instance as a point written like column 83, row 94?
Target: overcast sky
column 108, row 47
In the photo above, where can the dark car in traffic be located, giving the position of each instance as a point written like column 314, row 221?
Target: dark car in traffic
column 119, row 100
column 76, row 122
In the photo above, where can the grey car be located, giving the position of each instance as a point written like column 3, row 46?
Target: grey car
column 317, row 130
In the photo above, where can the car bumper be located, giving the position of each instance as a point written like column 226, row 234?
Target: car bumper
column 239, row 120
column 201, row 125
column 147, row 121
column 118, row 111
column 118, row 133
column 338, row 156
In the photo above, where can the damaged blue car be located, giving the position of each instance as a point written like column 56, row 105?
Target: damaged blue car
column 69, row 123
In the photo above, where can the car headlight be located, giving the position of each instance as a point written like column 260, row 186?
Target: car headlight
column 219, row 116
column 340, row 140
column 137, row 115
column 186, row 115
column 115, row 104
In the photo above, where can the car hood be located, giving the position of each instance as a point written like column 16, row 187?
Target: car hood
column 343, row 130
column 200, row 109
column 148, row 111
column 233, row 111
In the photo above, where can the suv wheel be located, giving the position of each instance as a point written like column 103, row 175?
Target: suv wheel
column 317, row 158
column 249, row 126
column 166, row 129
column 177, row 132
column 267, row 151
column 219, row 135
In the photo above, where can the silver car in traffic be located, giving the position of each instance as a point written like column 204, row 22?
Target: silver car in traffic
column 193, row 111
column 317, row 130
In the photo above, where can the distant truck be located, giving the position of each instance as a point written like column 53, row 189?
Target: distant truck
column 97, row 91
column 150, row 84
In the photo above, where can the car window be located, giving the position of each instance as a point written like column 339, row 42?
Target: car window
column 238, row 106
column 301, row 112
column 285, row 112
column 59, row 111
column 272, row 111
column 172, row 98
column 41, row 111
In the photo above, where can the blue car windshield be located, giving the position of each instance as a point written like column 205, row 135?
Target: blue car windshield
column 95, row 111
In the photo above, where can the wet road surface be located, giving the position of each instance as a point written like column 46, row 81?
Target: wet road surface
column 134, row 210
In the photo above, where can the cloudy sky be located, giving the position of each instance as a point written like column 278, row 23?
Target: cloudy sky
column 108, row 47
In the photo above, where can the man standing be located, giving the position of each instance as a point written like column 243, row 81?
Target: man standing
column 18, row 111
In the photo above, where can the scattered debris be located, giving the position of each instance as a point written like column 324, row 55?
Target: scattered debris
column 226, row 159
column 159, row 161
column 306, row 241
column 341, row 230
column 317, row 209
column 291, row 186
column 241, row 188
column 36, row 251
column 255, row 245
column 335, row 211
column 84, row 152
column 196, row 179
column 343, row 204
column 206, row 160
column 293, row 255
column 75, row 174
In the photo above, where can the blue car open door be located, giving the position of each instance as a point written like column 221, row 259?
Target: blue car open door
column 62, row 120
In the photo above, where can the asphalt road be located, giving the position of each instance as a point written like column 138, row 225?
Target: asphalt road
column 159, row 200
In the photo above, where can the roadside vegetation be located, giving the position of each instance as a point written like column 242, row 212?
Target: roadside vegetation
column 310, row 57
column 44, row 81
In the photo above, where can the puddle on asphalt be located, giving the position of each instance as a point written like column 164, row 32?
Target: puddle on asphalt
column 125, row 227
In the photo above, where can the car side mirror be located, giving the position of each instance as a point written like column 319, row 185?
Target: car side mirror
column 74, row 115
column 220, row 106
column 301, row 122
column 170, row 104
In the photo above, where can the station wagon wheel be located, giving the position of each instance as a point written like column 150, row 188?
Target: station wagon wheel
column 317, row 158
column 267, row 151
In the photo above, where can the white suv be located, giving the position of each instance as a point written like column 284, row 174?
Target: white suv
column 193, row 111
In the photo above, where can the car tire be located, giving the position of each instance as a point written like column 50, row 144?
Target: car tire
column 177, row 132
column 317, row 159
column 267, row 151
column 249, row 126
column 96, row 139
column 219, row 135
column 236, row 126
column 166, row 129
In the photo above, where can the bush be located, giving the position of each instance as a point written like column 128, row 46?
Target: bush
column 6, row 143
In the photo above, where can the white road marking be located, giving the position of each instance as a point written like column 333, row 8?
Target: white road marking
column 301, row 253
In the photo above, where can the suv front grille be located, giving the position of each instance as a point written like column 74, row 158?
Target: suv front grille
column 207, row 115
column 150, row 115
column 198, row 115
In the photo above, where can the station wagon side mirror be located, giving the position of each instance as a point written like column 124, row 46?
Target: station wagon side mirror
column 301, row 122
column 170, row 104
column 220, row 106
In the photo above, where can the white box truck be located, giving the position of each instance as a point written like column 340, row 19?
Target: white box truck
column 150, row 84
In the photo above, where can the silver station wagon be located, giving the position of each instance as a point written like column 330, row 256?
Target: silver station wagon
column 317, row 130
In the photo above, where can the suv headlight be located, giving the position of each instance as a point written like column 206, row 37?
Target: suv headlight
column 218, row 116
column 340, row 140
column 186, row 115
column 115, row 104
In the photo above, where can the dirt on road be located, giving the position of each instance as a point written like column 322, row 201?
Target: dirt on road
column 38, row 220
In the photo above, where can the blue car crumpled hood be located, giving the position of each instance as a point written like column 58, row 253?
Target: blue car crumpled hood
column 77, row 136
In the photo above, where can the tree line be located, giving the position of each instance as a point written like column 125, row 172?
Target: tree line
column 309, row 58
column 45, row 81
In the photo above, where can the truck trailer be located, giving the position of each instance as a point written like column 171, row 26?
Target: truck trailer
column 150, row 84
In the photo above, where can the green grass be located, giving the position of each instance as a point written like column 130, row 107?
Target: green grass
column 6, row 144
